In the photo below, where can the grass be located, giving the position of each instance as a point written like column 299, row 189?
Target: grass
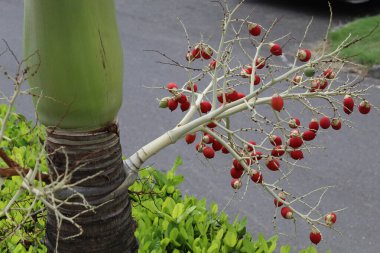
column 366, row 51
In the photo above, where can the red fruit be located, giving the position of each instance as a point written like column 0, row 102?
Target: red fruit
column 225, row 150
column 240, row 95
column 348, row 104
column 199, row 147
column 308, row 135
column 172, row 104
column 235, row 183
column 297, row 80
column 260, row 62
column 277, row 102
column 246, row 71
column 336, row 124
column 207, row 139
column 304, row 55
column 181, row 98
column 208, row 152
column 330, row 218
column 257, row 80
column 275, row 140
column 185, row 106
column 205, row 106
column 315, row 236
column 295, row 133
column 171, row 87
column 211, row 124
column 212, row 65
column 272, row 163
column 296, row 154
column 232, row 95
column 192, row 86
column 282, row 196
column 216, row 145
column 294, row 122
column 237, row 164
column 275, row 49
column 222, row 96
column 196, row 53
column 256, row 176
column 206, row 52
column 236, row 173
column 190, row 138
column 329, row 74
column 248, row 146
column 324, row 84
column 286, row 212
column 254, row 29
column 295, row 142
column 364, row 107
column 314, row 125
column 324, row 122
column 256, row 155
column 278, row 151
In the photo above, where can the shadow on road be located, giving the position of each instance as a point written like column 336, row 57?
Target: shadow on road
column 320, row 7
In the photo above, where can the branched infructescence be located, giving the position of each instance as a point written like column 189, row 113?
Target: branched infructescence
column 266, row 89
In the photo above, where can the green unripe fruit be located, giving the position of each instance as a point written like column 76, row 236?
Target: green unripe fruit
column 309, row 71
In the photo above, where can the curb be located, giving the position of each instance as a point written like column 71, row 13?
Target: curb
column 374, row 72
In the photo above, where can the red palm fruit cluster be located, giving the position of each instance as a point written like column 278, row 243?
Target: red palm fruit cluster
column 200, row 51
column 230, row 96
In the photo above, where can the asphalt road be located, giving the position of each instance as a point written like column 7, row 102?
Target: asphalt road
column 350, row 160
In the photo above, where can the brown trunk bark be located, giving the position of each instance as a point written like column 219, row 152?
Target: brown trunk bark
column 109, row 228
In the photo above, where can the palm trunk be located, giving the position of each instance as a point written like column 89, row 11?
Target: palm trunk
column 108, row 228
column 75, row 61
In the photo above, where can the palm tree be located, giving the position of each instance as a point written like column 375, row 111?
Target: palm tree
column 78, row 92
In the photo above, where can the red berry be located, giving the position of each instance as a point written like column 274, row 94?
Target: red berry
column 282, row 196
column 324, row 122
column 275, row 49
column 256, row 155
column 190, row 138
column 330, row 218
column 278, row 151
column 315, row 236
column 308, row 135
column 329, row 74
column 294, row 122
column 232, row 95
column 336, row 124
column 286, row 212
column 181, row 98
column 225, row 150
column 212, row 65
column 275, row 140
column 249, row 146
column 277, row 102
column 171, row 87
column 296, row 154
column 236, row 173
column 207, row 139
column 240, row 95
column 295, row 142
column 199, row 147
column 272, row 163
column 323, row 84
column 216, row 145
column 348, row 104
column 256, row 176
column 257, row 80
column 237, row 164
column 254, row 29
column 304, row 55
column 314, row 125
column 297, row 80
column 208, row 152
column 192, row 86
column 206, row 52
column 364, row 107
column 185, row 106
column 235, row 183
column 172, row 104
column 222, row 96
column 260, row 62
column 196, row 52
column 212, row 124
column 205, row 106
column 246, row 71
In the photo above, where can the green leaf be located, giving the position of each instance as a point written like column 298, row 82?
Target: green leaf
column 262, row 242
column 178, row 210
column 214, row 248
column 230, row 238
column 285, row 249
column 177, row 163
column 174, row 234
